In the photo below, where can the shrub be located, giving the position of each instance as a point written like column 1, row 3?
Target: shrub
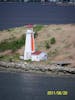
column 52, row 40
column 37, row 28
column 1, row 57
column 35, row 35
column 13, row 44
column 47, row 45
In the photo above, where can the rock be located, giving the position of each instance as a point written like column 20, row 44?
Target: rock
column 30, row 67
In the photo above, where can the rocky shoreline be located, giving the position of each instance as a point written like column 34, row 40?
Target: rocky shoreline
column 27, row 67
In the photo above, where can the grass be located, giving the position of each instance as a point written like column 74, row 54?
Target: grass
column 10, row 58
column 12, row 44
column 52, row 53
column 10, row 30
column 47, row 44
column 67, row 45
column 50, row 42
column 58, row 28
column 15, row 29
column 37, row 28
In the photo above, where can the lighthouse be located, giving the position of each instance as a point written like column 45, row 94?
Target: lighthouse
column 30, row 52
column 29, row 44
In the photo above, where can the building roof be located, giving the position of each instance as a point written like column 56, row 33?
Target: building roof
column 36, row 53
column 29, row 26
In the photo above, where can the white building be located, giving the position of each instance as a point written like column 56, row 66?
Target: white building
column 29, row 51
column 29, row 44
column 38, row 56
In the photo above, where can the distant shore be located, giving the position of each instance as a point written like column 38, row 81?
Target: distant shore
column 23, row 67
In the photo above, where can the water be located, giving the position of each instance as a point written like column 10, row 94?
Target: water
column 19, row 14
column 30, row 86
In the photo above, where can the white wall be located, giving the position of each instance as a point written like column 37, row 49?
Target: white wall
column 35, row 58
column 27, row 51
column 41, row 56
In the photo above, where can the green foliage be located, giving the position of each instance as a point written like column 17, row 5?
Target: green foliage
column 47, row 44
column 13, row 57
column 35, row 35
column 52, row 40
column 29, row 60
column 13, row 44
column 1, row 57
column 37, row 28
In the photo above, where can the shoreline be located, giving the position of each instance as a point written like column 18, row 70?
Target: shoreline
column 53, row 70
column 37, row 73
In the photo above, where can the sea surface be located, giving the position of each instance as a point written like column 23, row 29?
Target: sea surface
column 20, row 14
column 34, row 86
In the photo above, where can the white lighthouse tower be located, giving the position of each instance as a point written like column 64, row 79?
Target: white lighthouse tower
column 29, row 51
column 29, row 44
